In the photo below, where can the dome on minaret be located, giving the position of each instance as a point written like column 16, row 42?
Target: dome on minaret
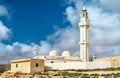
column 53, row 53
column 66, row 53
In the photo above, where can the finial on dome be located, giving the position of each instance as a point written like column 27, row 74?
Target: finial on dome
column 84, row 8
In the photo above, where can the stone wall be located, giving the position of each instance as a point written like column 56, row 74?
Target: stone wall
column 4, row 67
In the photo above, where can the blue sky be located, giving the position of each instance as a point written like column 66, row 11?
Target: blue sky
column 32, row 21
column 53, row 25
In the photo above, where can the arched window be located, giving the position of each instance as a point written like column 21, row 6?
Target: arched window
column 83, row 15
column 16, row 65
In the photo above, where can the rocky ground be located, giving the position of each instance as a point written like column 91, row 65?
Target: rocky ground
column 65, row 74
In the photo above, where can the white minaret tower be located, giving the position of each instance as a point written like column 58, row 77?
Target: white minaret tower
column 84, row 44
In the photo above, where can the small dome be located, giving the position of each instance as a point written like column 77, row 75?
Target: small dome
column 66, row 53
column 53, row 53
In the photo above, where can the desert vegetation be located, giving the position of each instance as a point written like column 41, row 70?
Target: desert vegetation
column 90, row 73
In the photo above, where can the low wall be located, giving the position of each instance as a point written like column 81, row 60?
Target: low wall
column 77, row 65
column 4, row 67
column 95, row 65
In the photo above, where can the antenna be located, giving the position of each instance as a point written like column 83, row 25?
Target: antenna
column 37, row 53
column 84, row 2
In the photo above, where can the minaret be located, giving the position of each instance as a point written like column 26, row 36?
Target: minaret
column 84, row 44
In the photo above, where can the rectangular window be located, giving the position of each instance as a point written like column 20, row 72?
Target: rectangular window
column 37, row 64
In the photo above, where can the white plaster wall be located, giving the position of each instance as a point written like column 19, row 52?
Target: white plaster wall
column 78, row 65
column 63, row 66
column 95, row 65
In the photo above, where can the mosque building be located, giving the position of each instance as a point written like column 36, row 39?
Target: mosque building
column 66, row 60
column 66, row 56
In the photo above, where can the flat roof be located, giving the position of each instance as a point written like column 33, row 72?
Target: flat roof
column 24, row 60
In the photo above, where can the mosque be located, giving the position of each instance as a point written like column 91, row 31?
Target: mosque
column 66, row 61
column 84, row 44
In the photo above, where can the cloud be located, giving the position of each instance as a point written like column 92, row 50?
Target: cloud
column 16, row 51
column 111, row 4
column 3, row 11
column 104, row 31
column 44, row 48
column 5, row 32
column 19, row 50
column 104, row 23
column 71, row 15
column 103, row 34
column 65, row 39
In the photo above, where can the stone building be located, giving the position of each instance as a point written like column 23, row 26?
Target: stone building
column 27, row 65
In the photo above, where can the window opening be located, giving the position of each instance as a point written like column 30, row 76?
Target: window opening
column 37, row 64
column 16, row 65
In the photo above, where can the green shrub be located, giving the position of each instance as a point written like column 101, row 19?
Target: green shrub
column 94, row 75
column 117, row 75
column 39, row 73
column 49, row 77
column 45, row 73
column 18, row 73
column 57, row 74
column 42, row 77
column 65, row 77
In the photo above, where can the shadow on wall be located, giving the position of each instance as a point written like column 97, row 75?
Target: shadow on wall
column 47, row 68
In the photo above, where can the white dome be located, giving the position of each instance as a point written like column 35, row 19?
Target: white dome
column 53, row 53
column 66, row 53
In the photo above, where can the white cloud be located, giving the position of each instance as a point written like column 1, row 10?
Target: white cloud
column 71, row 15
column 4, row 32
column 2, row 49
column 111, row 4
column 3, row 11
column 104, row 34
column 16, row 51
column 104, row 26
column 44, row 48
column 9, row 48
column 104, row 29
column 66, row 39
